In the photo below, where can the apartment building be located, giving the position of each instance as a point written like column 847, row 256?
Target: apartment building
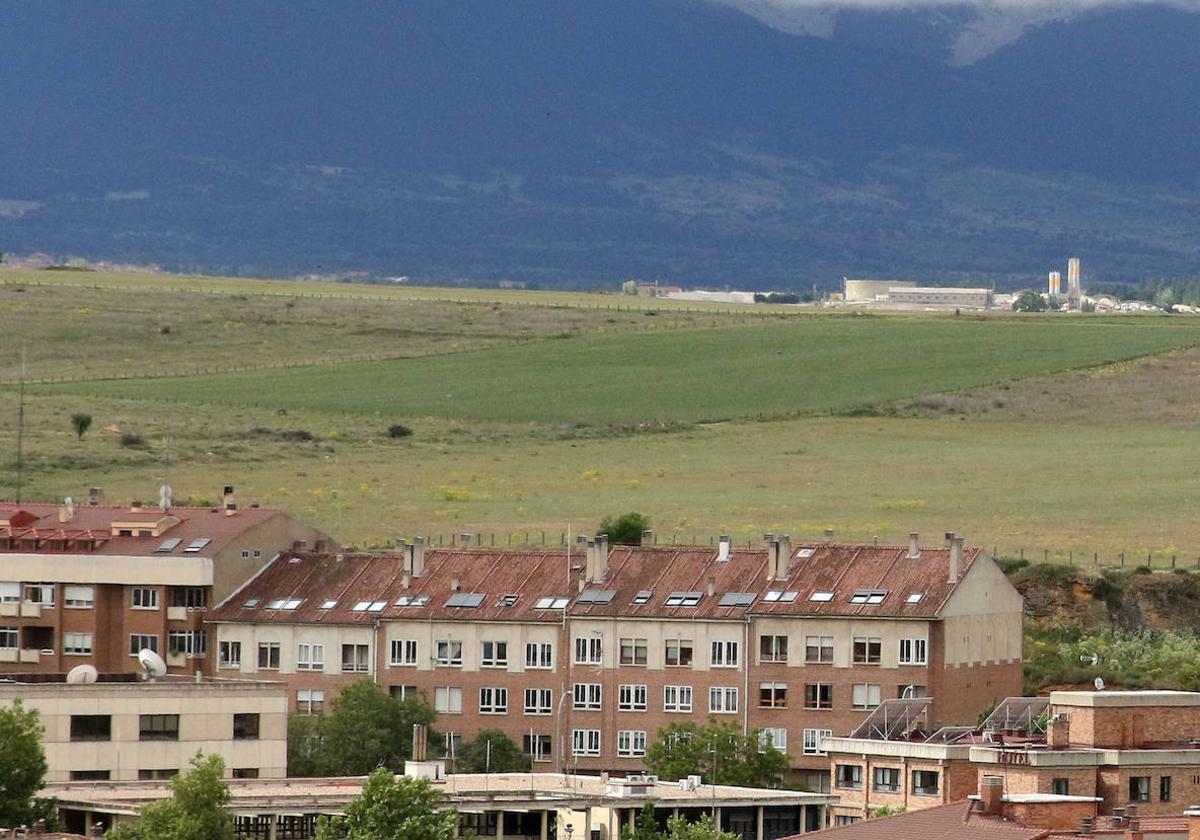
column 123, row 728
column 583, row 655
column 93, row 584
column 1117, row 751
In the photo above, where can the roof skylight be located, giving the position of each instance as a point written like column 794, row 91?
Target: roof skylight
column 293, row 603
column 412, row 601
column 377, row 606
column 737, row 599
column 169, row 545
column 250, row 603
column 821, row 597
column 550, row 604
column 465, row 599
column 805, row 552
column 275, row 604
column 643, row 596
column 914, row 597
column 784, row 596
column 361, row 606
column 868, row 596
column 329, row 604
column 596, row 596
column 683, row 599
column 508, row 600
column 197, row 544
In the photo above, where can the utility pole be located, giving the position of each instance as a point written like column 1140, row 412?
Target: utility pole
column 21, row 427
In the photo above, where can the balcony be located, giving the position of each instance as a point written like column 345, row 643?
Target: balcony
column 30, row 609
column 177, row 613
column 10, row 609
column 177, row 659
column 9, row 655
column 31, row 655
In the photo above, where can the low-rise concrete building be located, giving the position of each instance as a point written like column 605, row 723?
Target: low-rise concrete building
column 940, row 296
column 124, row 728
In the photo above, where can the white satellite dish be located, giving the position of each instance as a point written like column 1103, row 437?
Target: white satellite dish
column 82, row 675
column 1099, row 683
column 152, row 663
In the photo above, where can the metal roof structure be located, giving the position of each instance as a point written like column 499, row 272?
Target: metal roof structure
column 895, row 719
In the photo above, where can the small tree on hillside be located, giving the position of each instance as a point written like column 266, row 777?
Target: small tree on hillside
column 195, row 811
column 81, row 423
column 625, row 529
column 22, row 764
column 492, row 751
column 395, row 808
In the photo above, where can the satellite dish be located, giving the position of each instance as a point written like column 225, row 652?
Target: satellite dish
column 82, row 675
column 152, row 663
column 1099, row 683
column 1089, row 658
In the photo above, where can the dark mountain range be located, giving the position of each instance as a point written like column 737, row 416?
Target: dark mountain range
column 579, row 143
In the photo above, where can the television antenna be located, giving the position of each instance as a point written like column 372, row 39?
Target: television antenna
column 152, row 664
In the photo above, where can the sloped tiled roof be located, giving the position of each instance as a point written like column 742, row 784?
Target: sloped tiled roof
column 93, row 524
column 530, row 575
column 956, row 821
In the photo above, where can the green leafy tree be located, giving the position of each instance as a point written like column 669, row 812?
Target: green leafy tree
column 366, row 729
column 629, row 287
column 22, row 764
column 678, row 828
column 81, row 423
column 887, row 811
column 719, row 753
column 505, row 756
column 393, row 808
column 1029, row 301
column 645, row 826
column 304, row 745
column 195, row 811
column 625, row 529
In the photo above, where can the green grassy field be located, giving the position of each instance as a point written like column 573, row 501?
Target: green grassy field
column 1052, row 434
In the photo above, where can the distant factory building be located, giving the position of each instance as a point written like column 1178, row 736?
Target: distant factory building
column 940, row 296
column 871, row 290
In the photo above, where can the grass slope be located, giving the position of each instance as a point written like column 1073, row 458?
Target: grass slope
column 807, row 366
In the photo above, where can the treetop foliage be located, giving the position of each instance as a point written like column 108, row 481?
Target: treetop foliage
column 719, row 753
column 625, row 529
column 22, row 764
column 393, row 808
column 195, row 811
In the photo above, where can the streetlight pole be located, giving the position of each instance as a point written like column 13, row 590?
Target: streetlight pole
column 562, row 747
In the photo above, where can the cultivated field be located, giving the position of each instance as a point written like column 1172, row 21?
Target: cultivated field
column 1020, row 432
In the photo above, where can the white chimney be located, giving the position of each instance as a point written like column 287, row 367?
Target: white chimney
column 600, row 565
column 227, row 502
column 914, row 546
column 416, row 557
column 712, row 587
column 956, row 546
column 723, row 548
column 455, row 583
column 779, row 556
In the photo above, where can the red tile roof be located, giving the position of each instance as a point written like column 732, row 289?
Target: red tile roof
column 350, row 579
column 92, row 524
column 956, row 821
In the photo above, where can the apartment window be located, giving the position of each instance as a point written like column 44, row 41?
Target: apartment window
column 588, row 650
column 9, row 637
column 310, row 700
column 677, row 698
column 848, row 777
column 192, row 597
column 77, row 644
column 818, row 695
column 633, row 651
column 867, row 650
column 911, row 690
column 191, row 643
column 158, row 727
column 245, row 772
column 493, row 701
column 1060, row 787
column 925, row 782
column 268, row 656
column 10, row 592
column 818, row 650
column 229, row 655
column 539, row 701
column 840, row 820
column 887, row 779
column 448, row 653
column 586, row 696
column 403, row 652
column 772, row 695
column 245, row 726
column 144, row 598
column 310, row 657
column 631, row 698
column 864, row 696
column 631, row 743
column 539, row 655
column 1139, row 788
column 404, row 692
column 773, row 737
column 452, row 743
column 1164, row 788
column 679, row 652
column 90, row 775
column 537, row 747
column 157, row 775
column 141, row 641
column 91, row 727
column 773, row 648
column 913, row 651
column 724, row 655
column 494, row 655
column 356, row 658
column 722, row 701
column 814, row 741
column 448, row 700
column 78, row 597
column 585, row 742
column 40, row 593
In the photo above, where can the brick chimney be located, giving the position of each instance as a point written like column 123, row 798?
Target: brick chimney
column 991, row 795
column 227, row 501
column 647, row 538
column 1058, row 732
column 413, row 556
column 779, row 556
column 596, row 568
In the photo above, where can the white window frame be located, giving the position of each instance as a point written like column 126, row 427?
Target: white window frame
column 10, row 638
column 41, row 590
column 10, row 592
column 823, row 643
column 587, row 697
column 225, row 657
column 539, row 701
column 677, row 698
column 493, row 654
column 307, row 698
column 631, row 697
column 774, row 737
column 722, row 700
column 77, row 644
column 777, row 701
column 814, row 740
column 631, row 743
column 448, row 653
column 402, row 652
column 867, row 642
column 143, row 593
column 145, row 641
column 773, row 653
column 679, row 645
column 860, row 696
column 447, row 700
column 79, row 596
column 310, row 657
column 270, row 648
column 635, row 645
column 493, row 700
column 193, row 643
column 539, row 655
column 585, row 742
column 589, row 650
column 914, row 651
column 725, row 654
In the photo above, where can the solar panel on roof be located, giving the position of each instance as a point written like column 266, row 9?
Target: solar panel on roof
column 1021, row 713
column 197, row 544
column 737, row 599
column 596, row 596
column 465, row 599
column 169, row 545
column 250, row 604
column 894, row 719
